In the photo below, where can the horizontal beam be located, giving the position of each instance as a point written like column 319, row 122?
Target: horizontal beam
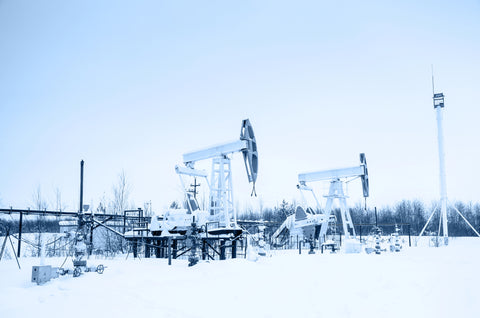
column 38, row 212
column 72, row 214
column 252, row 222
column 215, row 151
column 373, row 224
column 332, row 174
column 191, row 172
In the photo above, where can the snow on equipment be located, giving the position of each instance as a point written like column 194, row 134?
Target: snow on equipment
column 82, row 246
column 221, row 217
column 315, row 224
column 192, row 243
column 305, row 225
column 257, row 246
column 42, row 274
column 261, row 241
column 395, row 245
column 214, row 226
column 378, row 237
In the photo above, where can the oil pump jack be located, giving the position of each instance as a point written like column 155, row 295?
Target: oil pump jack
column 221, row 217
column 311, row 221
column 337, row 178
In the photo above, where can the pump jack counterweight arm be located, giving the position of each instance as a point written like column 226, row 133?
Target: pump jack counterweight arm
column 330, row 174
column 215, row 151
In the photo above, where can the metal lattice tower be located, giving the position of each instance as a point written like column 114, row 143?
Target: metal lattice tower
column 221, row 193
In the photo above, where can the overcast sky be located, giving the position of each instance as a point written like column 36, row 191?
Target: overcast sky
column 132, row 85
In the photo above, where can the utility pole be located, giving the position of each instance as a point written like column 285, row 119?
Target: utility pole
column 194, row 185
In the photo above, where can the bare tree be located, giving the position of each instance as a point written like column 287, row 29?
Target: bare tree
column 147, row 208
column 121, row 193
column 102, row 205
column 120, row 203
column 59, row 205
column 285, row 209
column 261, row 206
column 39, row 203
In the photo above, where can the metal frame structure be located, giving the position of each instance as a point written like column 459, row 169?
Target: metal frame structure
column 439, row 105
column 218, row 247
column 215, row 229
column 222, row 215
column 337, row 178
column 99, row 219
column 86, row 222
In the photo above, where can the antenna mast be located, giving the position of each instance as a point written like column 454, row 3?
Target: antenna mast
column 433, row 83
column 438, row 105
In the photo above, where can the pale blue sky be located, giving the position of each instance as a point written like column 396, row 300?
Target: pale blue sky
column 133, row 85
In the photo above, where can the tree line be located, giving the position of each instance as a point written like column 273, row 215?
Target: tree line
column 413, row 212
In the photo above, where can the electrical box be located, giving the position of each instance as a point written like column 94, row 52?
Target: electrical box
column 42, row 274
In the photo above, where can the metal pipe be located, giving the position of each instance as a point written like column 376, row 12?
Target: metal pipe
column 124, row 220
column 299, row 246
column 117, row 217
column 20, row 234
column 175, row 248
column 443, row 182
column 169, row 250
column 222, row 250
column 234, row 249
column 81, row 186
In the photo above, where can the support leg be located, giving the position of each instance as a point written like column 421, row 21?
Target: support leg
column 234, row 249
column 222, row 249
column 466, row 220
column 20, row 224
column 426, row 224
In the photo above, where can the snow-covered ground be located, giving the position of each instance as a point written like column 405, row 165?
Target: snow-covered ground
column 417, row 282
